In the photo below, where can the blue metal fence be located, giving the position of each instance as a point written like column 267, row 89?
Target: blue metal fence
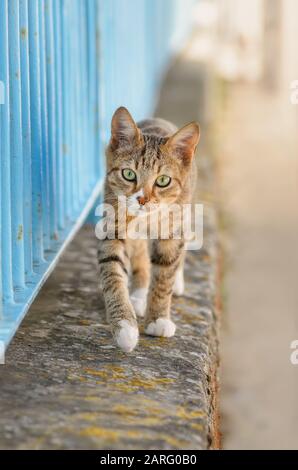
column 65, row 65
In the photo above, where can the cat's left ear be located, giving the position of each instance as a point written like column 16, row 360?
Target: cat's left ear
column 124, row 130
column 185, row 141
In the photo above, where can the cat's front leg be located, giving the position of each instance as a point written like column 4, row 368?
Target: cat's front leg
column 113, row 275
column 165, row 258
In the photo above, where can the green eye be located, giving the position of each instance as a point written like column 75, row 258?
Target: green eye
column 129, row 174
column 163, row 181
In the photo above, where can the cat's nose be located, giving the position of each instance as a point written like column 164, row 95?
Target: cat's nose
column 142, row 200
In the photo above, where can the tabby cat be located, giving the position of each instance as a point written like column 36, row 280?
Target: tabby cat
column 148, row 163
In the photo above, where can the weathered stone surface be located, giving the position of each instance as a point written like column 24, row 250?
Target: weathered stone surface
column 65, row 385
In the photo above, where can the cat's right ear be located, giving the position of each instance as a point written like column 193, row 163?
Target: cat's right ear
column 185, row 141
column 124, row 131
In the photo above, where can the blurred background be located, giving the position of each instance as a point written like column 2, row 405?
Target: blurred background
column 252, row 47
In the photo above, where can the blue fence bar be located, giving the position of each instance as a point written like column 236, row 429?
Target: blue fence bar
column 16, row 150
column 44, row 131
column 36, row 139
column 6, row 244
column 59, row 112
column 65, row 65
column 67, row 124
column 26, row 133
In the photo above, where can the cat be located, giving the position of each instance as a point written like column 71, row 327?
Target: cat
column 149, row 163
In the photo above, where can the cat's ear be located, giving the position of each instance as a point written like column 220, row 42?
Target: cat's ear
column 124, row 130
column 185, row 141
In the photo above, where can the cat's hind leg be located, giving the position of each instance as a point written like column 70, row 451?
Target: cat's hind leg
column 165, row 258
column 140, row 267
column 178, row 288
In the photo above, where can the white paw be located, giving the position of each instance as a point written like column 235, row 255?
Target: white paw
column 178, row 288
column 126, row 336
column 139, row 301
column 161, row 327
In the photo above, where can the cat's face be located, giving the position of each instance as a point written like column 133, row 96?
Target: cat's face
column 148, row 170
